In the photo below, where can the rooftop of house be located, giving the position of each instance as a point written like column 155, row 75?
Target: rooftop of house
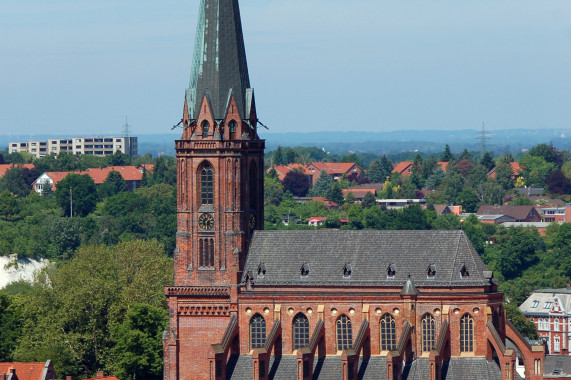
column 5, row 167
column 516, row 169
column 372, row 255
column 99, row 175
column 548, row 301
column 26, row 371
column 518, row 212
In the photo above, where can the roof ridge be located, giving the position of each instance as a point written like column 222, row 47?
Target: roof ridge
column 455, row 257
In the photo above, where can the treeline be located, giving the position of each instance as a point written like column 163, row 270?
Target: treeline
column 40, row 226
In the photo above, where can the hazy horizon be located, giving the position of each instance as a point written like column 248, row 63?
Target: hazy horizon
column 78, row 67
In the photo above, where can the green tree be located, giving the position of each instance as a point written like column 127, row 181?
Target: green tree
column 527, row 328
column 446, row 222
column 435, row 179
column 446, row 155
column 429, row 166
column 369, row 200
column 15, row 182
column 113, row 184
column 82, row 189
column 491, row 193
column 335, row 193
column 504, row 175
column 468, row 199
column 350, row 199
column 517, row 253
column 71, row 315
column 322, row 185
column 487, row 161
column 8, row 205
column 273, row 191
column 536, row 170
column 278, row 156
column 379, row 170
column 10, row 325
column 451, row 187
column 118, row 159
column 547, row 152
column 47, row 189
column 139, row 348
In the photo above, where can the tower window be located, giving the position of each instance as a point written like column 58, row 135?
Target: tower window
column 344, row 333
column 428, row 326
column 466, row 333
column 388, row 333
column 300, row 331
column 257, row 331
column 232, row 126
column 347, row 270
column 431, row 272
column 464, row 272
column 206, row 256
column 305, row 270
column 205, row 128
column 207, row 185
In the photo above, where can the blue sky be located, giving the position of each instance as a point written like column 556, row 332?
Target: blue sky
column 79, row 67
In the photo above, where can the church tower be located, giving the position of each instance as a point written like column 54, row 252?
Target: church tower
column 220, row 191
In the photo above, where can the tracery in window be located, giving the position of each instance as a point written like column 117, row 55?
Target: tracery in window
column 207, row 185
column 344, row 333
column 300, row 331
column 257, row 331
column 428, row 327
column 466, row 333
column 388, row 333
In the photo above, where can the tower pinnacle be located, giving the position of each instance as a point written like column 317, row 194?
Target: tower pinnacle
column 219, row 67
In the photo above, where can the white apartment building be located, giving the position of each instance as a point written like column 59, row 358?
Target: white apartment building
column 97, row 146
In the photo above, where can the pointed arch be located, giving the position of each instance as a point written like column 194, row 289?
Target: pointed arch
column 428, row 332
column 257, row 331
column 388, row 332
column 206, row 183
column 300, row 331
column 253, row 181
column 344, row 332
column 466, row 333
column 205, row 128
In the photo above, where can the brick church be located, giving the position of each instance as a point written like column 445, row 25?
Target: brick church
column 324, row 304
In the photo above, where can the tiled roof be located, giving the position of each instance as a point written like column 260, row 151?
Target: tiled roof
column 359, row 193
column 516, row 169
column 369, row 252
column 440, row 209
column 25, row 371
column 5, row 167
column 332, row 167
column 147, row 167
column 99, row 175
column 518, row 212
column 326, row 202
column 401, row 167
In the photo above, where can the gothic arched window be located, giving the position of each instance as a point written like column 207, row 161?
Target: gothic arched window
column 300, row 331
column 205, row 128
column 466, row 333
column 428, row 326
column 388, row 333
column 257, row 331
column 344, row 333
column 207, row 185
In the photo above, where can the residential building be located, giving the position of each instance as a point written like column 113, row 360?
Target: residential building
column 405, row 167
column 550, row 310
column 360, row 191
column 519, row 213
column 5, row 167
column 313, row 170
column 315, row 304
column 130, row 174
column 27, row 371
column 399, row 203
column 517, row 169
column 316, row 221
column 97, row 146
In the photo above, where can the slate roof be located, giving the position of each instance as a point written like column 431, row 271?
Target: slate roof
column 219, row 62
column 561, row 362
column 326, row 252
column 518, row 212
column 559, row 298
column 329, row 368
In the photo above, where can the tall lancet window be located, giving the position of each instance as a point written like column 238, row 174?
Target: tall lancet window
column 207, row 185
column 205, row 129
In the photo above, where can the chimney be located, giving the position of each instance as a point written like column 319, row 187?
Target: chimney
column 100, row 374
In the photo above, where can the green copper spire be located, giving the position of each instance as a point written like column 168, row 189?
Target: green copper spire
column 219, row 63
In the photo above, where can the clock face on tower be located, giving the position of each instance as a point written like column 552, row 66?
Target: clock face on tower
column 252, row 221
column 206, row 222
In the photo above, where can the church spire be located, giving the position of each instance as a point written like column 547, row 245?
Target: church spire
column 219, row 67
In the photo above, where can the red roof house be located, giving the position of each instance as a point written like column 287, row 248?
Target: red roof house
column 516, row 168
column 405, row 167
column 29, row 371
column 5, row 167
column 335, row 169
